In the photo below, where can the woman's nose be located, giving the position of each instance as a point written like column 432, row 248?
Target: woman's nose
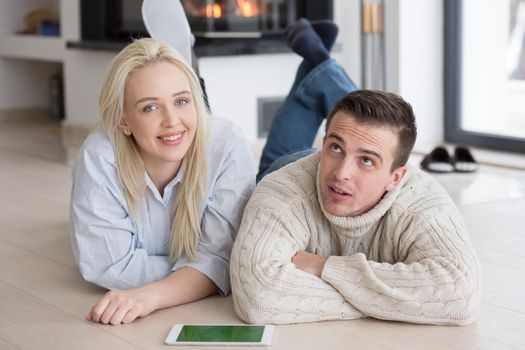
column 170, row 117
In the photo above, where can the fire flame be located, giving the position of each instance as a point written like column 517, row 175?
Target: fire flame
column 214, row 10
column 247, row 8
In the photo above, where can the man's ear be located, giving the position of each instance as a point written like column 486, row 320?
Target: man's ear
column 396, row 177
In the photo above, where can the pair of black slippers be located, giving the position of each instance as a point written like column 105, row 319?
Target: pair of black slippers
column 440, row 161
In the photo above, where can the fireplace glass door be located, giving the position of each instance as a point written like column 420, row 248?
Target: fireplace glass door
column 239, row 18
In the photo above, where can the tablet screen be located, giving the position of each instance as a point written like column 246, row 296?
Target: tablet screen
column 231, row 334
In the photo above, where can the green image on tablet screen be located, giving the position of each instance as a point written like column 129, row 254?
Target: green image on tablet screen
column 233, row 334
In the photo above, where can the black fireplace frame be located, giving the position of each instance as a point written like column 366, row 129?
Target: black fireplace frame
column 101, row 23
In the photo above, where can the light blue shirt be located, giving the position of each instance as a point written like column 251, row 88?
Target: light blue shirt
column 115, row 251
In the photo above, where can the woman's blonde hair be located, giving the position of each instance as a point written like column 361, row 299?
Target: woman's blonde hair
column 188, row 205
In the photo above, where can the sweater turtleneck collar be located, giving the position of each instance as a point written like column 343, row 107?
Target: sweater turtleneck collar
column 355, row 226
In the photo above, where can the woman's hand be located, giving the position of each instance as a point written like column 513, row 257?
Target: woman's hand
column 123, row 306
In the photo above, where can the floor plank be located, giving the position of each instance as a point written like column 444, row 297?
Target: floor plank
column 47, row 284
column 4, row 345
column 28, row 323
column 43, row 240
column 489, row 184
column 488, row 255
column 504, row 286
column 496, row 328
column 36, row 207
column 496, row 226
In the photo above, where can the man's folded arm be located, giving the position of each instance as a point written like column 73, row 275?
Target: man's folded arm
column 437, row 281
column 267, row 287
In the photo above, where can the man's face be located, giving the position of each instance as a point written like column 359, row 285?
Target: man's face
column 355, row 166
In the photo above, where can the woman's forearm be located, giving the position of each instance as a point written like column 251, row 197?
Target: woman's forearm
column 124, row 306
column 182, row 286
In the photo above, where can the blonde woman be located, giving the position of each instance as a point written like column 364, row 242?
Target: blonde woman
column 158, row 192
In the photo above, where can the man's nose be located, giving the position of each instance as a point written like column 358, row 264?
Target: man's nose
column 345, row 170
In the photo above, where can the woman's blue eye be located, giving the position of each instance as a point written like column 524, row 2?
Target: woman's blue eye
column 181, row 101
column 150, row 108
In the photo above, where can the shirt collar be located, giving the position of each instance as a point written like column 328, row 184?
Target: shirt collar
column 178, row 178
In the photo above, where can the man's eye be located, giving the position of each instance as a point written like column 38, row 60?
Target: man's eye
column 367, row 161
column 181, row 101
column 335, row 148
column 150, row 108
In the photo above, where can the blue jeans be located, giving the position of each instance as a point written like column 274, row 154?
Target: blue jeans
column 313, row 95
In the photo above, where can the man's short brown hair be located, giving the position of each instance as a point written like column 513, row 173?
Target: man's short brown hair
column 381, row 108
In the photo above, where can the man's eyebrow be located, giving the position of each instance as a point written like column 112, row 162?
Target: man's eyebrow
column 156, row 98
column 360, row 150
column 372, row 153
column 337, row 137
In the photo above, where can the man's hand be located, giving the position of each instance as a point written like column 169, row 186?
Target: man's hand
column 309, row 262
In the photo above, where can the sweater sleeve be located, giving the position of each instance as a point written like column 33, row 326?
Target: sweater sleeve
column 436, row 281
column 266, row 286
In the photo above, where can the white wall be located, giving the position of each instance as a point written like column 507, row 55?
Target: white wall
column 347, row 16
column 24, row 83
column 234, row 83
column 420, row 66
column 84, row 71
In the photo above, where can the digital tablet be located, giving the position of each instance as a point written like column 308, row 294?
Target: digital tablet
column 220, row 334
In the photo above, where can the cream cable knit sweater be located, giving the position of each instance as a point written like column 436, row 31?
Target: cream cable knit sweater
column 408, row 259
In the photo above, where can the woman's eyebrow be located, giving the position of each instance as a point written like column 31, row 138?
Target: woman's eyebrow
column 146, row 99
column 143, row 99
column 181, row 93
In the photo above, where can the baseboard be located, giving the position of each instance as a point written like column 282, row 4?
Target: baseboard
column 25, row 114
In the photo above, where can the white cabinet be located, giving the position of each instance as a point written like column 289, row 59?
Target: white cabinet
column 27, row 61
column 32, row 47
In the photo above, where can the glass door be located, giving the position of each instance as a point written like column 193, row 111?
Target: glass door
column 485, row 73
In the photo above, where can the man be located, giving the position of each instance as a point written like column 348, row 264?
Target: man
column 350, row 231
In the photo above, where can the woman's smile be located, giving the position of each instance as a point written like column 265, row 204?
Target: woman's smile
column 172, row 139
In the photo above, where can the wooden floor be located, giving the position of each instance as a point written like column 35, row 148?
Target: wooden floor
column 43, row 299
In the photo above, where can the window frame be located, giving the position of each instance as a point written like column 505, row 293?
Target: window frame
column 453, row 57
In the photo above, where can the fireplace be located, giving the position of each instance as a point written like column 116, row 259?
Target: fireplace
column 221, row 27
column 239, row 18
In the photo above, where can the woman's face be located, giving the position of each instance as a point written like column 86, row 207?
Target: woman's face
column 160, row 113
